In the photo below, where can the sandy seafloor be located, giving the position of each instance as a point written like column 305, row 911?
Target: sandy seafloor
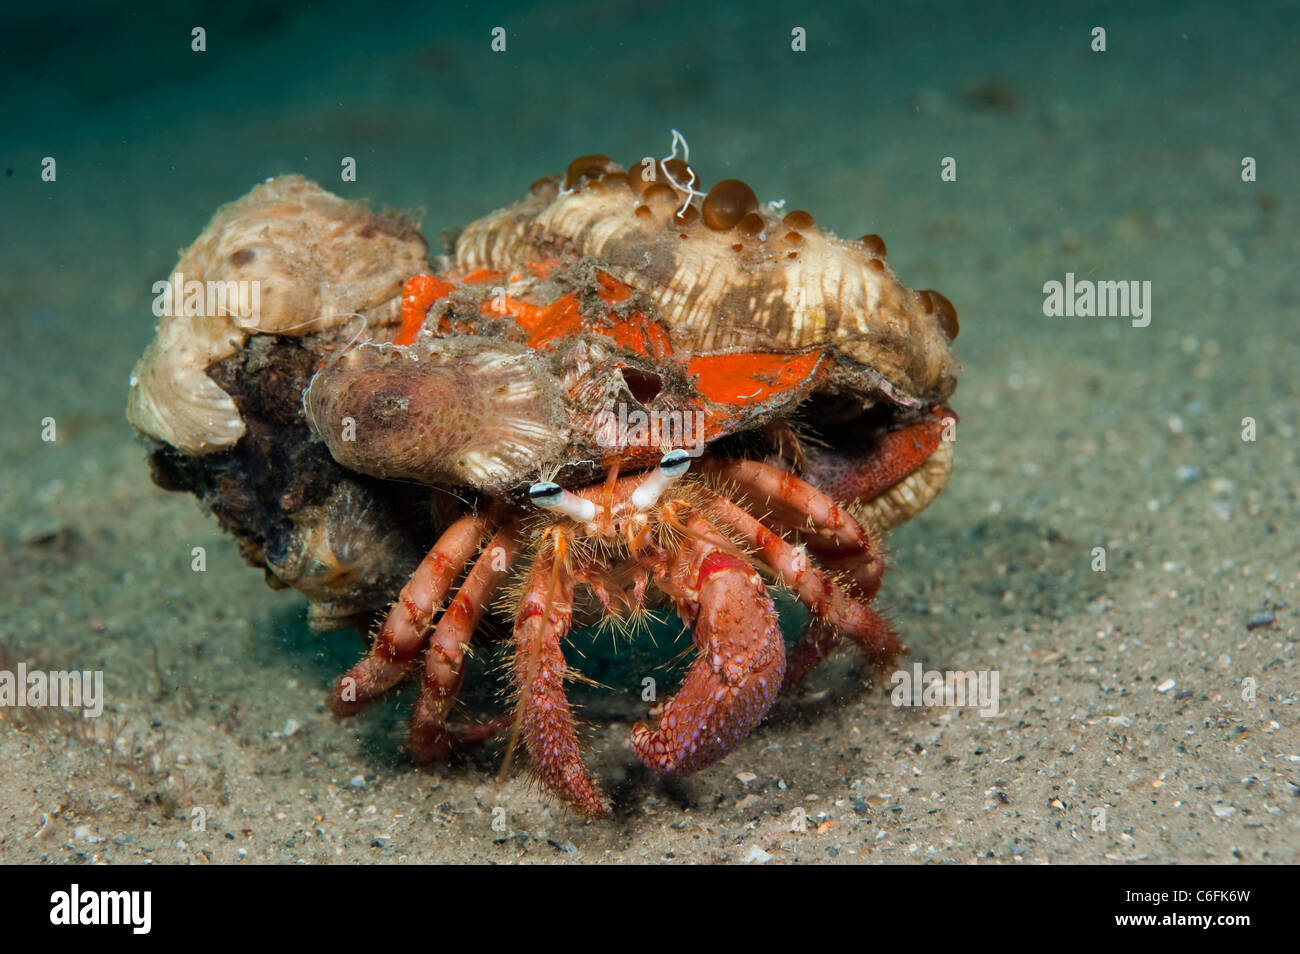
column 1125, row 691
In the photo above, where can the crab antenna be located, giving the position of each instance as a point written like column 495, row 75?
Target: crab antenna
column 671, row 466
column 551, row 496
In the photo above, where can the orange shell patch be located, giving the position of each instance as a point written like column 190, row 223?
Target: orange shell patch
column 751, row 377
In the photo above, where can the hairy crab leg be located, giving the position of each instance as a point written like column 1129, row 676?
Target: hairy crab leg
column 444, row 660
column 829, row 531
column 407, row 625
column 740, row 661
column 884, row 486
column 544, row 617
column 795, row 503
column 813, row 585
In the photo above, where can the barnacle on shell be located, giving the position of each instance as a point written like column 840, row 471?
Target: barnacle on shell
column 317, row 260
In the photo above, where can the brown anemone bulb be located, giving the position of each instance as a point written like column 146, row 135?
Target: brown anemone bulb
column 587, row 167
column 686, row 216
column 751, row 224
column 681, row 173
column 547, row 186
column 661, row 198
column 943, row 309
column 727, row 203
column 798, row 219
column 875, row 245
column 643, row 173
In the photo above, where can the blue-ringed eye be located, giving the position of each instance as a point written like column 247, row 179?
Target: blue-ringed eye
column 675, row 463
column 545, row 492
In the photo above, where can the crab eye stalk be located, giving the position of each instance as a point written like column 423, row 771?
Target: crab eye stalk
column 551, row 496
column 671, row 467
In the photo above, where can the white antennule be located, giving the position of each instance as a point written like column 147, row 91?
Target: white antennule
column 551, row 496
column 687, row 187
column 671, row 466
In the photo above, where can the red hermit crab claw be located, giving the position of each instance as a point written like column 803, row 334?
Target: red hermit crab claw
column 735, row 677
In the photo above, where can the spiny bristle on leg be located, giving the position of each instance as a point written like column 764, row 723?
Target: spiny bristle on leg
column 638, row 621
column 543, row 716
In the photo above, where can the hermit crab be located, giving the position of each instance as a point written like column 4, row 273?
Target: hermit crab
column 622, row 392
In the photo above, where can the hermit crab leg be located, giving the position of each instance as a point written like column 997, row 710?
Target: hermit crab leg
column 544, row 617
column 407, row 625
column 830, row 532
column 737, row 671
column 814, row 586
column 444, row 660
